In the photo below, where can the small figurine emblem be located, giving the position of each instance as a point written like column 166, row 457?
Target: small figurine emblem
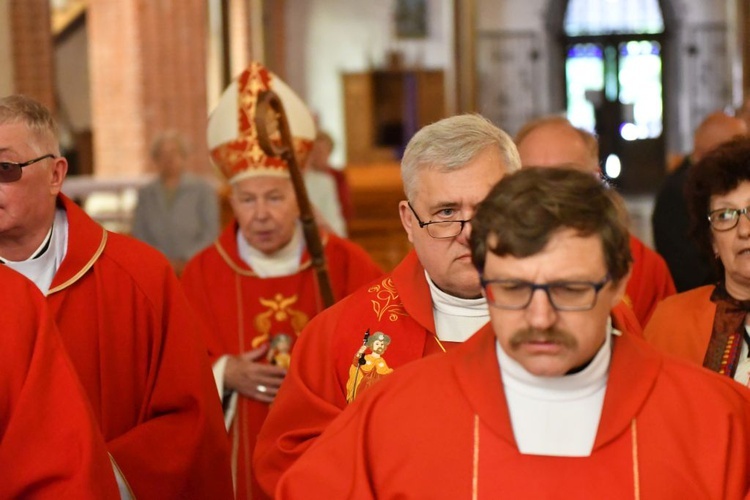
column 367, row 369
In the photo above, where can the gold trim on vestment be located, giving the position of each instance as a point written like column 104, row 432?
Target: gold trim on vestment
column 636, row 474
column 439, row 343
column 85, row 268
column 246, row 272
column 475, row 468
column 122, row 476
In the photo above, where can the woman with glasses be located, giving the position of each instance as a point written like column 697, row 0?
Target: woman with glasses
column 710, row 325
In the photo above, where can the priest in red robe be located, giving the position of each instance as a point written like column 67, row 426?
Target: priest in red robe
column 549, row 400
column 123, row 317
column 50, row 444
column 429, row 304
column 553, row 142
column 256, row 287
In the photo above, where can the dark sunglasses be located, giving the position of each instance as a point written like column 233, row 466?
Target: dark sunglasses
column 11, row 172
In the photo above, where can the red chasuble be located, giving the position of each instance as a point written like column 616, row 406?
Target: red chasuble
column 321, row 378
column 440, row 428
column 650, row 281
column 135, row 343
column 244, row 312
column 50, row 444
column 682, row 325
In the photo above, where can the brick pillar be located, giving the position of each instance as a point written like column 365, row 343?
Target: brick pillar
column 7, row 85
column 31, row 49
column 148, row 73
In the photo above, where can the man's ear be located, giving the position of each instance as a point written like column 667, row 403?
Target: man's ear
column 58, row 172
column 407, row 218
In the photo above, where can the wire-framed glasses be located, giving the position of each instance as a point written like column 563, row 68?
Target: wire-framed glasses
column 441, row 229
column 563, row 295
column 11, row 171
column 725, row 219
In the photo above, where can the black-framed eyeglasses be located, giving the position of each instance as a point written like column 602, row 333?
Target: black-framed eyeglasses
column 441, row 229
column 725, row 219
column 563, row 295
column 11, row 172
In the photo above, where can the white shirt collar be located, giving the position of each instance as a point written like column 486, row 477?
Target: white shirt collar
column 592, row 377
column 456, row 319
column 556, row 416
column 283, row 262
column 42, row 267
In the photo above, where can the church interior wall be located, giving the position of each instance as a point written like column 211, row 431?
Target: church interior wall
column 326, row 38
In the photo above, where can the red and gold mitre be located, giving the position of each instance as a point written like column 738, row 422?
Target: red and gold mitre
column 233, row 135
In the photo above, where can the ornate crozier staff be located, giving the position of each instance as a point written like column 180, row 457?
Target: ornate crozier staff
column 271, row 122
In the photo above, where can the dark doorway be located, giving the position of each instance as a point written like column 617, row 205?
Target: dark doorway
column 614, row 79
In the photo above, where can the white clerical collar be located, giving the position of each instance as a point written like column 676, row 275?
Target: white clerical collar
column 556, row 416
column 45, row 260
column 456, row 319
column 283, row 262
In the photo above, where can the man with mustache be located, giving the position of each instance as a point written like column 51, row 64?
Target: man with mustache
column 550, row 400
column 429, row 304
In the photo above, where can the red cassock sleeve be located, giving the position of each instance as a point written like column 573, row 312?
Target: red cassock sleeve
column 50, row 444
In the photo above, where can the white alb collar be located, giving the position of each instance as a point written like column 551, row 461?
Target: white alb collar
column 283, row 262
column 568, row 387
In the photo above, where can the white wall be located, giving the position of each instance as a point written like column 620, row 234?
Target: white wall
column 515, row 15
column 329, row 37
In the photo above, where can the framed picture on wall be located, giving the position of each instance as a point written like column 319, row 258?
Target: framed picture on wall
column 411, row 18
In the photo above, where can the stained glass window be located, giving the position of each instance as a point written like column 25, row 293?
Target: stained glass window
column 599, row 74
column 640, row 89
column 584, row 74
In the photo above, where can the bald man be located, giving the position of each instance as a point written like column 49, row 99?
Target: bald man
column 554, row 142
column 670, row 219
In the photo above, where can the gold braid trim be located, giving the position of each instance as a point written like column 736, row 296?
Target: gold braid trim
column 244, row 272
column 85, row 268
column 636, row 475
column 475, row 464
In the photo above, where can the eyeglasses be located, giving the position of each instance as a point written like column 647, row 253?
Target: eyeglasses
column 563, row 295
column 11, row 172
column 725, row 219
column 441, row 229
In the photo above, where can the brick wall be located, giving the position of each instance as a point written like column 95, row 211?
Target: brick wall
column 31, row 49
column 148, row 73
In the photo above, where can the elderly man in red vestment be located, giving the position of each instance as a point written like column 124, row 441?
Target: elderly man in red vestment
column 553, row 142
column 549, row 400
column 50, row 444
column 123, row 317
column 430, row 303
column 255, row 286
